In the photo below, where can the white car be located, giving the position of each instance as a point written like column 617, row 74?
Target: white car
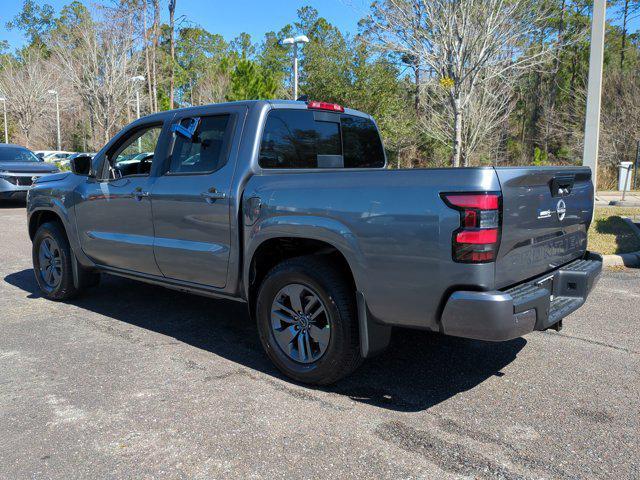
column 52, row 155
column 67, row 161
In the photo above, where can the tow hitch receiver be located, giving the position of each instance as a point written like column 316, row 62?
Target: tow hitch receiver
column 556, row 326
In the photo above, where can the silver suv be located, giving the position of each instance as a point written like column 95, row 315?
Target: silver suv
column 19, row 167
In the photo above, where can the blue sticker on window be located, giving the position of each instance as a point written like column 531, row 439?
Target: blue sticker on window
column 186, row 131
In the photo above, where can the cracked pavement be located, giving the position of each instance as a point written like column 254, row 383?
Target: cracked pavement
column 136, row 381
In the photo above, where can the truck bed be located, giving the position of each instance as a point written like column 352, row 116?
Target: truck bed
column 398, row 231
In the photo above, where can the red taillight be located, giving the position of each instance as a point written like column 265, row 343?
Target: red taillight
column 477, row 236
column 332, row 107
column 477, row 239
column 485, row 201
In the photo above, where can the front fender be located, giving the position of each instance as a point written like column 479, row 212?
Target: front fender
column 60, row 202
column 327, row 230
column 40, row 203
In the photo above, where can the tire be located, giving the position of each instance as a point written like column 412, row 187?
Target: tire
column 53, row 270
column 329, row 354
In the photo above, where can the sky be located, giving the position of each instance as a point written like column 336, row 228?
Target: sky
column 228, row 18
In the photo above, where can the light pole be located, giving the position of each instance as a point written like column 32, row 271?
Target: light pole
column 592, row 120
column 135, row 80
column 55, row 92
column 295, row 41
column 6, row 130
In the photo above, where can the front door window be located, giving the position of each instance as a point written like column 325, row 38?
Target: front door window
column 135, row 155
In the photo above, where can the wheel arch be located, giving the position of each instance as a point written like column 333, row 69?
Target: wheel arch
column 83, row 273
column 40, row 217
column 282, row 237
column 277, row 238
column 272, row 251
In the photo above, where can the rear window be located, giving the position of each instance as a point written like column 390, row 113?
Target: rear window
column 317, row 139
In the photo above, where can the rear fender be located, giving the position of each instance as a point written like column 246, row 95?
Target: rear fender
column 322, row 229
column 374, row 337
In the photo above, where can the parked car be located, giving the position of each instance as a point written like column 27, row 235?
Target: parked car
column 41, row 154
column 288, row 206
column 133, row 164
column 67, row 161
column 52, row 155
column 18, row 168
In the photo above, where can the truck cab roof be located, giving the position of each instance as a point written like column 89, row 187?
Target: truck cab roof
column 252, row 104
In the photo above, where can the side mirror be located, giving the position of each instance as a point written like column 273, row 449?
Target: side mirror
column 81, row 165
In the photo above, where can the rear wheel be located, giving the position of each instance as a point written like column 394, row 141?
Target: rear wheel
column 307, row 322
column 52, row 258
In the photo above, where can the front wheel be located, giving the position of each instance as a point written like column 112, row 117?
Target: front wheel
column 52, row 262
column 307, row 322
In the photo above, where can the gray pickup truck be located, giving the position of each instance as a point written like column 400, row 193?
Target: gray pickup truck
column 288, row 206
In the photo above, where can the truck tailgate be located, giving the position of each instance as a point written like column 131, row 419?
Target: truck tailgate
column 546, row 212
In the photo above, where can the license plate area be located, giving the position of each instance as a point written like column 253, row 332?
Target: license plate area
column 547, row 284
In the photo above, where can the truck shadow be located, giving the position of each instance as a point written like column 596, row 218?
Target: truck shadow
column 626, row 236
column 418, row 371
column 12, row 204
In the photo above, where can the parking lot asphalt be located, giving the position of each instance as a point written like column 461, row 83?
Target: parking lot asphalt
column 136, row 381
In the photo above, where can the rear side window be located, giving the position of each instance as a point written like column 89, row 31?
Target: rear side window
column 205, row 151
column 313, row 139
column 362, row 147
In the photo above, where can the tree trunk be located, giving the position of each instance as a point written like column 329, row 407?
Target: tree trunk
column 26, row 134
column 172, row 11
column 417, row 19
column 457, row 130
column 416, row 74
column 538, row 107
column 146, row 52
column 154, row 52
column 625, row 14
column 556, row 60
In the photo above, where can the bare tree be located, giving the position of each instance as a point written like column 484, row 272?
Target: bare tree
column 467, row 46
column 620, row 121
column 212, row 84
column 405, row 33
column 26, row 85
column 486, row 112
column 99, row 60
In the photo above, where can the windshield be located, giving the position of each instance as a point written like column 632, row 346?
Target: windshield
column 17, row 154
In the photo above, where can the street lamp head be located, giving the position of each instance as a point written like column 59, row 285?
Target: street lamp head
column 294, row 40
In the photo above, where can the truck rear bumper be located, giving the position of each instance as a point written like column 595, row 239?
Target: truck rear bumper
column 534, row 305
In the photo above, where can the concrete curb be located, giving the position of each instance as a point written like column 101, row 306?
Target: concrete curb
column 631, row 260
column 626, row 203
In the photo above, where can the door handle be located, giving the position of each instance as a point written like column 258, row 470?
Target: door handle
column 213, row 194
column 138, row 193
